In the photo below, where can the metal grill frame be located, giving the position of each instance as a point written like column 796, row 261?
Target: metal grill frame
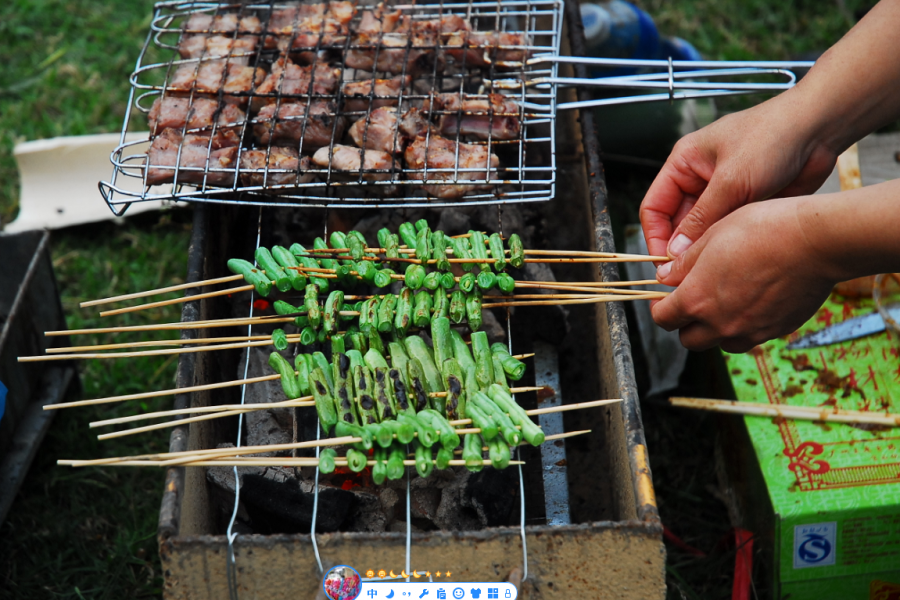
column 514, row 181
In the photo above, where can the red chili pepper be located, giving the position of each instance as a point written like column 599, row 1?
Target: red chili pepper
column 261, row 304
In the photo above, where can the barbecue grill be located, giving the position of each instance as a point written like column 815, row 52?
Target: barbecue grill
column 597, row 532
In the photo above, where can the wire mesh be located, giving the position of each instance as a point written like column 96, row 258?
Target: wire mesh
column 343, row 105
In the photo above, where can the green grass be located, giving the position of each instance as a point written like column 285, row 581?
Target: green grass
column 65, row 67
column 86, row 533
column 755, row 29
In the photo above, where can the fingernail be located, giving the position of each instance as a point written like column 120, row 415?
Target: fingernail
column 679, row 245
column 663, row 271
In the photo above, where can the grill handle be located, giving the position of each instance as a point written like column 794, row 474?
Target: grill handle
column 677, row 79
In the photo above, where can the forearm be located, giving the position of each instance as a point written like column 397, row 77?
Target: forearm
column 854, row 233
column 853, row 88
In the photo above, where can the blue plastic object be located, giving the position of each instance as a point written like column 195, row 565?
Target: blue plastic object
column 619, row 29
column 678, row 49
column 3, row 391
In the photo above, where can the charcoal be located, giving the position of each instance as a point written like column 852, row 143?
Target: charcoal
column 284, row 507
column 368, row 515
column 454, row 221
column 493, row 494
column 265, row 426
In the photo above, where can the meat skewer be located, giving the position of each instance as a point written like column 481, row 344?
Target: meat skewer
column 357, row 94
column 173, row 112
column 480, row 48
column 434, row 152
column 163, row 156
column 221, row 24
column 219, row 46
column 289, row 79
column 495, row 117
column 212, row 76
column 309, row 26
column 379, row 131
column 255, row 165
column 292, row 121
column 351, row 163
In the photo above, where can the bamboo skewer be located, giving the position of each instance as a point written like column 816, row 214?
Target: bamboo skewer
column 173, row 326
column 804, row 413
column 225, row 408
column 171, row 288
column 150, row 343
column 215, row 408
column 275, row 461
column 136, row 354
column 217, row 415
column 170, row 392
column 128, row 309
column 176, row 457
column 605, row 298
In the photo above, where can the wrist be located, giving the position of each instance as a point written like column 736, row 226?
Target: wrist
column 850, row 234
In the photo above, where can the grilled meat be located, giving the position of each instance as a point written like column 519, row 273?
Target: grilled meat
column 174, row 112
column 163, row 156
column 378, row 21
column 479, row 48
column 441, row 153
column 238, row 50
column 222, row 24
column 379, row 131
column 282, row 158
column 289, row 79
column 209, row 77
column 309, row 26
column 357, row 93
column 411, row 47
column 291, row 122
column 346, row 160
column 414, row 124
column 495, row 116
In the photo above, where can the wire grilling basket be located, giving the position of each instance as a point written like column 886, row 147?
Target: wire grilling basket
column 259, row 102
column 341, row 104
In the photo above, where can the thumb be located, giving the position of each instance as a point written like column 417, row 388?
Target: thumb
column 672, row 273
column 717, row 201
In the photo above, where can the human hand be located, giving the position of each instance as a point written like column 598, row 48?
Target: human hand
column 767, row 151
column 753, row 276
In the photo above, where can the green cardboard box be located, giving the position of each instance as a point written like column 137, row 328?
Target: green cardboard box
column 823, row 499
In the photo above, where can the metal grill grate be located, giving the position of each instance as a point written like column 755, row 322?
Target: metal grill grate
column 251, row 121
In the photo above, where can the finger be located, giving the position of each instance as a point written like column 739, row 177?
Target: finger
column 674, row 272
column 669, row 313
column 723, row 196
column 678, row 184
column 698, row 336
column 738, row 345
